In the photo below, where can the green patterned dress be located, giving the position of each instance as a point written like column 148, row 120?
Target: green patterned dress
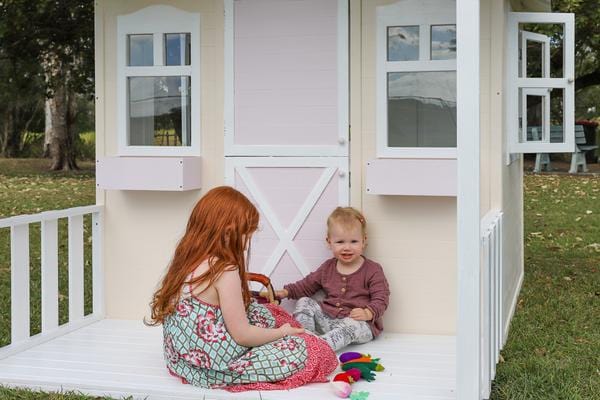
column 199, row 350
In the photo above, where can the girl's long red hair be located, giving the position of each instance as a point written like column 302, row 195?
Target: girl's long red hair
column 218, row 230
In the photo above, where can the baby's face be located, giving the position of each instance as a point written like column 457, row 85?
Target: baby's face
column 346, row 242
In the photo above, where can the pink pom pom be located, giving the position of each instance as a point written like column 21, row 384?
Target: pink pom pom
column 341, row 389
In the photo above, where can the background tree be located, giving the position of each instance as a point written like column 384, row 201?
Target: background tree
column 587, row 51
column 47, row 53
column 65, row 37
column 21, row 89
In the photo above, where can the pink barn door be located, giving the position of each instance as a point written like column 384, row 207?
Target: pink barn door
column 286, row 125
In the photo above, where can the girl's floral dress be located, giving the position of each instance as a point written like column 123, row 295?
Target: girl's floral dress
column 199, row 350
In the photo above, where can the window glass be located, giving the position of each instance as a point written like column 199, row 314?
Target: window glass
column 177, row 49
column 403, row 43
column 421, row 109
column 159, row 111
column 140, row 50
column 443, row 42
column 535, row 59
column 535, row 114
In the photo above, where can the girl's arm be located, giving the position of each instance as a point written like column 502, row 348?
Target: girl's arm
column 236, row 321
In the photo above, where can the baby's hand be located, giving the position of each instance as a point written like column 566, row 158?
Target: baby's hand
column 279, row 294
column 361, row 314
column 287, row 330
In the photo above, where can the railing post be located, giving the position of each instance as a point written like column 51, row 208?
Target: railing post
column 75, row 267
column 19, row 282
column 97, row 263
column 49, row 246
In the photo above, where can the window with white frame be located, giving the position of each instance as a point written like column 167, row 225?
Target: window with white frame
column 416, row 79
column 159, row 82
column 540, row 83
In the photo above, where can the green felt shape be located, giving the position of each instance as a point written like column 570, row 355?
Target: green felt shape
column 359, row 395
column 370, row 365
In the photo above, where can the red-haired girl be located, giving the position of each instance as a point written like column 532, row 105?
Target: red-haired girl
column 214, row 335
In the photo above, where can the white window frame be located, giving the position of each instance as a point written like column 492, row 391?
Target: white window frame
column 516, row 79
column 545, row 93
column 158, row 20
column 538, row 38
column 409, row 13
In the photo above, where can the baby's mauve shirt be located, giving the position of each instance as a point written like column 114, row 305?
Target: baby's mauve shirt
column 364, row 288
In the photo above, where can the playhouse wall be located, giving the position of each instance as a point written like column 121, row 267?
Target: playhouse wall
column 413, row 237
column 141, row 228
column 501, row 184
column 512, row 190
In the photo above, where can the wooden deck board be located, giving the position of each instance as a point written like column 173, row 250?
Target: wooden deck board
column 124, row 358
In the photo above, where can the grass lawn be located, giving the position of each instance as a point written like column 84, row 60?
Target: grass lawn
column 553, row 349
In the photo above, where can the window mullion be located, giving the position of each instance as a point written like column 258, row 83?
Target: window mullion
column 158, row 71
column 158, row 48
column 424, row 42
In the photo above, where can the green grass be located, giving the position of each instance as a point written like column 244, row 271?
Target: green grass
column 553, row 349
column 27, row 187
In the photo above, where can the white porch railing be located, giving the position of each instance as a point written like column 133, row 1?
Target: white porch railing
column 491, row 296
column 20, row 267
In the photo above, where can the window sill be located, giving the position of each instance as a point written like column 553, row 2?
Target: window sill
column 412, row 177
column 149, row 173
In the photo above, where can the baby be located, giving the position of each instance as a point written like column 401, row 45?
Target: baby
column 356, row 290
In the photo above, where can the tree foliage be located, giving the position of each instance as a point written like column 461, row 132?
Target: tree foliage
column 587, row 39
column 47, row 55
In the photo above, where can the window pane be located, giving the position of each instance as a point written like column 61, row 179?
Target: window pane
column 535, row 115
column 159, row 111
column 403, row 43
column 177, row 48
column 422, row 109
column 535, row 59
column 140, row 51
column 443, row 42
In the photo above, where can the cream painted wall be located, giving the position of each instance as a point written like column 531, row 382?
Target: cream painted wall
column 142, row 228
column 414, row 238
column 501, row 185
column 512, row 190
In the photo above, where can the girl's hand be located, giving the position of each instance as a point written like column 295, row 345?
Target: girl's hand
column 287, row 330
column 361, row 314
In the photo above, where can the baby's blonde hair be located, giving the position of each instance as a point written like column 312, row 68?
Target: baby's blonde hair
column 346, row 216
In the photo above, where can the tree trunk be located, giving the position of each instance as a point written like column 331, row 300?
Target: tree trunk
column 60, row 111
column 47, row 128
column 11, row 137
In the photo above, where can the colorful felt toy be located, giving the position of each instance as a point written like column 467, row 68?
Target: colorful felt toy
column 355, row 366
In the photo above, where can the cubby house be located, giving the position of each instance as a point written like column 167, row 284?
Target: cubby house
column 414, row 111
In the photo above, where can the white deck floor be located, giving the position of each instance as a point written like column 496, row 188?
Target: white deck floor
column 124, row 358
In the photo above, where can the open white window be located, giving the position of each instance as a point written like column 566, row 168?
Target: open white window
column 416, row 80
column 540, row 98
column 158, row 87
